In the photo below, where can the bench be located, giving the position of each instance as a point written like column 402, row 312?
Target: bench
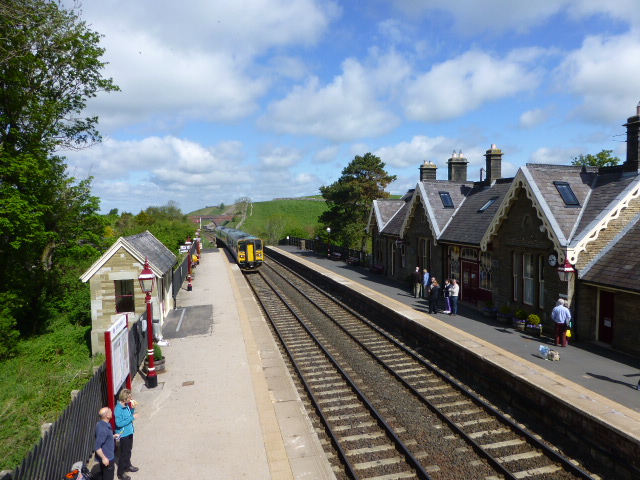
column 353, row 261
column 376, row 268
column 336, row 255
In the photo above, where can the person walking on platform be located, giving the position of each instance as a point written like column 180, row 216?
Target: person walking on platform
column 105, row 444
column 125, row 415
column 454, row 294
column 417, row 282
column 562, row 318
column 434, row 291
column 426, row 281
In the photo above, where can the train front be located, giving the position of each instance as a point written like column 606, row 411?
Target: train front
column 250, row 254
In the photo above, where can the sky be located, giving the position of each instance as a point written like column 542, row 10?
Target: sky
column 223, row 99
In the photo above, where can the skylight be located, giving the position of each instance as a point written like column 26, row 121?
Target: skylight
column 564, row 189
column 446, row 199
column 488, row 204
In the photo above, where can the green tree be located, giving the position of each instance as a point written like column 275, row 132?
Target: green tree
column 349, row 199
column 49, row 67
column 602, row 159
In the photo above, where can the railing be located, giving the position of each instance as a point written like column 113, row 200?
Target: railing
column 319, row 246
column 180, row 273
column 71, row 437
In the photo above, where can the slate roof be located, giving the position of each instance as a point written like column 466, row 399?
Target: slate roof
column 159, row 256
column 384, row 210
column 438, row 214
column 394, row 225
column 140, row 246
column 619, row 266
column 468, row 225
column 542, row 177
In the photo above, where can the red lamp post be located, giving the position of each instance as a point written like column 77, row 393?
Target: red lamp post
column 566, row 271
column 329, row 243
column 147, row 281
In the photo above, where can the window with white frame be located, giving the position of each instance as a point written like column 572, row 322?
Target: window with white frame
column 454, row 263
column 541, row 262
column 527, row 278
column 125, row 301
column 403, row 257
column 424, row 252
column 486, row 271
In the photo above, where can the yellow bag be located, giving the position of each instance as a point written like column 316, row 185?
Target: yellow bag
column 568, row 333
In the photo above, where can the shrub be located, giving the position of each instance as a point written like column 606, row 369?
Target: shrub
column 505, row 310
column 489, row 305
column 521, row 314
column 533, row 319
column 157, row 352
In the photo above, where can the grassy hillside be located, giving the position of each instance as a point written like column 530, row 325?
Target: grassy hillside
column 276, row 219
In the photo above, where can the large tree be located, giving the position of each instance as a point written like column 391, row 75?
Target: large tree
column 349, row 199
column 49, row 68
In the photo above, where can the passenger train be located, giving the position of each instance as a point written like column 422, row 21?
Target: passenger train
column 245, row 248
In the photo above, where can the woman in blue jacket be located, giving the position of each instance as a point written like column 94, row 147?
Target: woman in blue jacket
column 125, row 415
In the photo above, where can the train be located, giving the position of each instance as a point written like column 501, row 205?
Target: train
column 246, row 249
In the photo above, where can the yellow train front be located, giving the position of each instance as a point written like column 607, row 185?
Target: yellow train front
column 245, row 248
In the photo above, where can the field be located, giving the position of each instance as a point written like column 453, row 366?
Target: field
column 276, row 219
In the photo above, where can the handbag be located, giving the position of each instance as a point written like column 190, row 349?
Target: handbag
column 568, row 333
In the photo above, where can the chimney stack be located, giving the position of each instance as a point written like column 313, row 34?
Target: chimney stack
column 494, row 163
column 428, row 171
column 632, row 163
column 457, row 165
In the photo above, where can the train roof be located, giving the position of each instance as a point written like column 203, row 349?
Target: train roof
column 236, row 234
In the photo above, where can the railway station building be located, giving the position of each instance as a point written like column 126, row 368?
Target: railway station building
column 551, row 231
column 113, row 281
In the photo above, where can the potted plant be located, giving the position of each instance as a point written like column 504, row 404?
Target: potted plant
column 520, row 319
column 534, row 325
column 489, row 309
column 158, row 359
column 504, row 314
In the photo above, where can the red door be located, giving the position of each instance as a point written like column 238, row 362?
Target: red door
column 469, row 286
column 605, row 323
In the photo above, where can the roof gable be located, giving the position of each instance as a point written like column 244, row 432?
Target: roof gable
column 141, row 246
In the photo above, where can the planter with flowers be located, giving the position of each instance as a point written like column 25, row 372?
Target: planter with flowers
column 519, row 320
column 158, row 359
column 504, row 314
column 489, row 309
column 533, row 325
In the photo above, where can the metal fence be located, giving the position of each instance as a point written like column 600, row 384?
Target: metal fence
column 320, row 246
column 71, row 437
column 180, row 273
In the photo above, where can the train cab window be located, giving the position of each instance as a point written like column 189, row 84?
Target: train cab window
column 258, row 244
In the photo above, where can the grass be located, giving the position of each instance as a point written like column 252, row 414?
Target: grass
column 37, row 385
column 278, row 218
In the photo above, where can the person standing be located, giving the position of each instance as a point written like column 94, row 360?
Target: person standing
column 417, row 282
column 125, row 415
column 105, row 444
column 426, row 281
column 562, row 318
column 434, row 291
column 445, row 290
column 454, row 293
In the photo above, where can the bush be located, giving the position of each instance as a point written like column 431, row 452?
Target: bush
column 157, row 352
column 533, row 319
column 505, row 310
column 521, row 314
column 489, row 306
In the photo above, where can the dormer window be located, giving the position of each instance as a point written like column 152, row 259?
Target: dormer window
column 487, row 205
column 446, row 199
column 564, row 189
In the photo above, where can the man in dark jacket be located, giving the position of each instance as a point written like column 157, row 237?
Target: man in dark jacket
column 417, row 282
column 105, row 445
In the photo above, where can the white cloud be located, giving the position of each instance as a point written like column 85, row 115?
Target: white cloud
column 462, row 84
column 604, row 72
column 347, row 108
column 415, row 152
column 535, row 117
column 279, row 157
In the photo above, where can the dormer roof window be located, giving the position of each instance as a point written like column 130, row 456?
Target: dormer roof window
column 446, row 199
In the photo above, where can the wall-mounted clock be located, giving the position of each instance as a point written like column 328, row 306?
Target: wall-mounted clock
column 553, row 260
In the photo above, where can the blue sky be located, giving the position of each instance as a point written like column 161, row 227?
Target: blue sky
column 272, row 98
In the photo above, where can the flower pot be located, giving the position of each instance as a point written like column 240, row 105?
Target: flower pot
column 157, row 364
column 489, row 313
column 535, row 330
column 518, row 324
column 504, row 318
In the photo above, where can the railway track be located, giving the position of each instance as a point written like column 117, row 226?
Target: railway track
column 389, row 413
